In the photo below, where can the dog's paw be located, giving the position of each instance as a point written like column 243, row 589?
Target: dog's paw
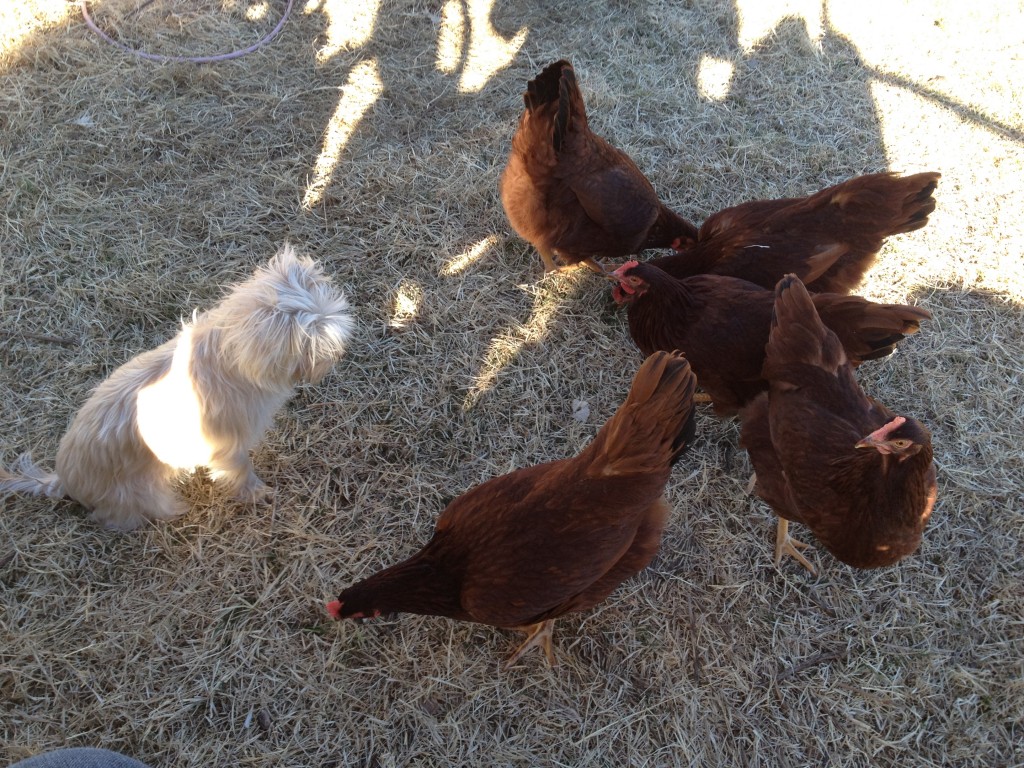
column 258, row 493
column 243, row 485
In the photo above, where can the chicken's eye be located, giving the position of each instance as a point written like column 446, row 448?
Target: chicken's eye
column 902, row 443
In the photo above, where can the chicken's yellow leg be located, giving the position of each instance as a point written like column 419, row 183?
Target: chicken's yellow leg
column 548, row 257
column 787, row 545
column 539, row 635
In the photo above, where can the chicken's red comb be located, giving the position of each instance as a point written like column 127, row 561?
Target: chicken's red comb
column 627, row 266
column 334, row 608
column 879, row 438
column 882, row 432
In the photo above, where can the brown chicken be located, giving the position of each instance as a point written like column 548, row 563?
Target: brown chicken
column 721, row 324
column 828, row 456
column 572, row 194
column 520, row 550
column 828, row 239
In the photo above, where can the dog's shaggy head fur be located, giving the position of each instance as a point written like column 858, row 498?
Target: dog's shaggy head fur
column 285, row 325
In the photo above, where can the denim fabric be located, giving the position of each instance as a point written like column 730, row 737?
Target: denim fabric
column 79, row 757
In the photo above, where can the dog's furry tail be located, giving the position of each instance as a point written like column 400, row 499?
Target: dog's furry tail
column 26, row 477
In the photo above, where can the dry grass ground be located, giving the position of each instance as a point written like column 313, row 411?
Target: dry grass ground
column 372, row 136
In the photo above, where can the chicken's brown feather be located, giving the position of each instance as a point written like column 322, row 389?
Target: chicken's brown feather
column 551, row 538
column 722, row 325
column 568, row 191
column 869, row 509
column 762, row 240
column 793, row 339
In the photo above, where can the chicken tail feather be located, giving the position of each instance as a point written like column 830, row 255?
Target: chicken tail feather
column 797, row 334
column 868, row 331
column 655, row 425
column 862, row 212
column 918, row 203
column 882, row 204
column 556, row 86
column 545, row 88
column 570, row 108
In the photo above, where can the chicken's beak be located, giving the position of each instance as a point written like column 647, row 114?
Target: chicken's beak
column 870, row 442
column 883, row 446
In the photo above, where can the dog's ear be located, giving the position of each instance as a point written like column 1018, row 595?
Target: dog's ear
column 312, row 371
column 323, row 341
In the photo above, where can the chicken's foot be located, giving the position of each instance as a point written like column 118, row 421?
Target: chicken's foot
column 787, row 545
column 548, row 257
column 538, row 635
column 550, row 265
column 702, row 398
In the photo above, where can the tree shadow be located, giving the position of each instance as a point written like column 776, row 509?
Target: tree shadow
column 396, row 80
column 962, row 376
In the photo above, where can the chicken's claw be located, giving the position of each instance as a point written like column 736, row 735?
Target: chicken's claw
column 539, row 636
column 787, row 545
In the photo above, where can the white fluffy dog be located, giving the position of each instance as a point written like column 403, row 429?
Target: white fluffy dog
column 204, row 398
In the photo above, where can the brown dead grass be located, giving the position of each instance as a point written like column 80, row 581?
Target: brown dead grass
column 132, row 192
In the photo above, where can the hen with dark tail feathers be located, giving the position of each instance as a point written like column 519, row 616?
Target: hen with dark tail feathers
column 522, row 549
column 569, row 192
column 827, row 455
column 721, row 324
column 828, row 239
